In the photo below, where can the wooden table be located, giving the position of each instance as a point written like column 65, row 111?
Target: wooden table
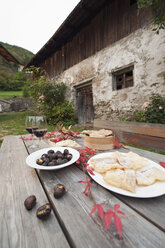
column 69, row 224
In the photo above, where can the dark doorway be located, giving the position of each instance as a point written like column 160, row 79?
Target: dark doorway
column 84, row 99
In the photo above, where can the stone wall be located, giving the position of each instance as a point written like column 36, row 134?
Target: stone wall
column 143, row 49
column 15, row 104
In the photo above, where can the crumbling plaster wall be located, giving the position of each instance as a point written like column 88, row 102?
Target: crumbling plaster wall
column 145, row 50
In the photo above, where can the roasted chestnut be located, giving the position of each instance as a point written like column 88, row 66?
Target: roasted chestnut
column 44, row 155
column 43, row 212
column 59, row 190
column 40, row 161
column 45, row 163
column 30, row 202
column 68, row 157
column 52, row 163
column 66, row 152
column 54, row 158
column 50, row 151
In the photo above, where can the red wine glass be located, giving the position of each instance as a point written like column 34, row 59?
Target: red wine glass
column 41, row 123
column 30, row 127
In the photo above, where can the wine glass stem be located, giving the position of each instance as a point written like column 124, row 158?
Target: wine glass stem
column 39, row 141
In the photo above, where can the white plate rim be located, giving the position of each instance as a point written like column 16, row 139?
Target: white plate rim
column 154, row 190
column 30, row 160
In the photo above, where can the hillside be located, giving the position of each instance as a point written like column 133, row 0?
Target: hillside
column 21, row 54
column 8, row 70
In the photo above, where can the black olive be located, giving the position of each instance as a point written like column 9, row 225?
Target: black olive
column 30, row 202
column 43, row 212
column 59, row 190
column 40, row 161
column 68, row 157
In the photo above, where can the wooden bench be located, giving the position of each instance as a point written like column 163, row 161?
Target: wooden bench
column 145, row 135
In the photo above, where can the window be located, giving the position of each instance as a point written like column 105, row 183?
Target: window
column 123, row 78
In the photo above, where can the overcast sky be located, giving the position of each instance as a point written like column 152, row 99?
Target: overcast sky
column 31, row 23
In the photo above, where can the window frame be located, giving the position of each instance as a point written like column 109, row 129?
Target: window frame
column 121, row 72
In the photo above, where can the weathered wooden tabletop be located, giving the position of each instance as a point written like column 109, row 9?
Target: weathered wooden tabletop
column 69, row 224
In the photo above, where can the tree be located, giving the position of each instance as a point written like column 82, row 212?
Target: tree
column 158, row 9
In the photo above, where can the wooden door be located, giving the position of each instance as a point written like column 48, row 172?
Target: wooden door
column 85, row 108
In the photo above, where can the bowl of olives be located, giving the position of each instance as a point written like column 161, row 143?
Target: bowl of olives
column 53, row 158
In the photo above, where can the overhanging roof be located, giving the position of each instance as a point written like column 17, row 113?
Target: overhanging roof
column 7, row 55
column 81, row 15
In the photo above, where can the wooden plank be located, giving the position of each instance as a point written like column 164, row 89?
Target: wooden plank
column 74, row 207
column 155, row 143
column 146, row 135
column 19, row 227
column 157, row 130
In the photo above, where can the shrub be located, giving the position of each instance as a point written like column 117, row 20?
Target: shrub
column 64, row 113
column 139, row 116
column 155, row 112
column 49, row 98
column 11, row 82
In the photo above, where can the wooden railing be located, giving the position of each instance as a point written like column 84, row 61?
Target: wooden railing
column 147, row 135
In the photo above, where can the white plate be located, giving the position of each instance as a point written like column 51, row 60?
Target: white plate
column 154, row 190
column 31, row 159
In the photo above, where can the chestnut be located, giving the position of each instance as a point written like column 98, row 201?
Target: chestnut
column 59, row 190
column 68, row 157
column 40, row 161
column 66, row 152
column 43, row 212
column 52, row 163
column 44, row 155
column 30, row 202
column 50, row 152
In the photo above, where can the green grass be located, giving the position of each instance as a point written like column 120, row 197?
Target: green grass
column 13, row 123
column 10, row 94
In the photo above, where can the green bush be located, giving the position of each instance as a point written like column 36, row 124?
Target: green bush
column 63, row 113
column 155, row 112
column 11, row 82
column 140, row 116
column 49, row 98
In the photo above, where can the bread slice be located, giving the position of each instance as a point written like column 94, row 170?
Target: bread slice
column 124, row 179
column 131, row 160
column 102, row 165
column 148, row 176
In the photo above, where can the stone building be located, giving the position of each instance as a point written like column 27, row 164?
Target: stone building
column 109, row 57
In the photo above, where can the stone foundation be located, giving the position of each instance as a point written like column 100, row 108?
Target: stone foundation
column 15, row 104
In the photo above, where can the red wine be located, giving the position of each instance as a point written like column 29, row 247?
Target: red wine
column 31, row 130
column 40, row 132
